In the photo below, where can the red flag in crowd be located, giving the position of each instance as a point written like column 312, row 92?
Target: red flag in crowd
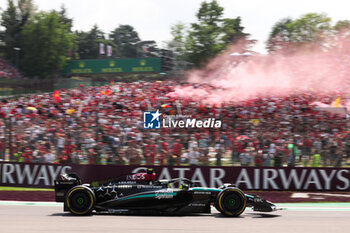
column 56, row 95
column 106, row 92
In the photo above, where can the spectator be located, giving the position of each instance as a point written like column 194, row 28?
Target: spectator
column 165, row 153
column 204, row 150
column 245, row 158
column 193, row 156
column 8, row 71
column 267, row 157
column 258, row 158
column 49, row 157
column 220, row 150
column 42, row 124
column 177, row 151
column 316, row 159
column 193, row 144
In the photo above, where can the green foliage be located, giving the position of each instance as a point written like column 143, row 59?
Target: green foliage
column 148, row 48
column 342, row 36
column 201, row 43
column 309, row 27
column 2, row 36
column 232, row 30
column 26, row 10
column 210, row 13
column 288, row 33
column 279, row 35
column 13, row 19
column 88, row 43
column 46, row 44
column 177, row 45
column 342, row 25
column 211, row 34
column 64, row 18
column 281, row 28
column 177, row 31
column 127, row 40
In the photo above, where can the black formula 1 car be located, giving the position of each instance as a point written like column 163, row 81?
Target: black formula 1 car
column 140, row 193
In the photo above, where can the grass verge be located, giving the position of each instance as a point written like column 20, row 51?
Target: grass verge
column 5, row 188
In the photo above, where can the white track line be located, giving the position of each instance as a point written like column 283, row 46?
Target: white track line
column 37, row 203
column 284, row 206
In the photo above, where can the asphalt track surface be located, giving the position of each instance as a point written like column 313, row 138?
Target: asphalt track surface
column 48, row 217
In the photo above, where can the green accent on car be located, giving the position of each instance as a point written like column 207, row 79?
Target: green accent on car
column 206, row 189
column 139, row 196
column 80, row 201
column 232, row 202
column 146, row 195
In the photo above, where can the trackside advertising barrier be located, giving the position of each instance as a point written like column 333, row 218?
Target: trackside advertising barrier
column 103, row 66
column 246, row 178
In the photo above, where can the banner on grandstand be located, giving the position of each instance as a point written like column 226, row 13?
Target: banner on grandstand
column 109, row 50
column 246, row 178
column 102, row 48
column 103, row 66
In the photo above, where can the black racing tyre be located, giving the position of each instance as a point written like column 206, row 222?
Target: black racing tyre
column 80, row 200
column 231, row 202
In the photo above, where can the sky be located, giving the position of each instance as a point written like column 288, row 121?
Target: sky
column 152, row 19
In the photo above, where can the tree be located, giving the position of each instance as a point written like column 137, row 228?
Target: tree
column 342, row 36
column 310, row 30
column 232, row 30
column 178, row 31
column 2, row 36
column 342, row 25
column 201, row 43
column 9, row 22
column 279, row 35
column 148, row 48
column 177, row 46
column 82, row 44
column 45, row 45
column 26, row 11
column 13, row 20
column 88, row 43
column 64, row 18
column 212, row 34
column 127, row 40
column 309, row 27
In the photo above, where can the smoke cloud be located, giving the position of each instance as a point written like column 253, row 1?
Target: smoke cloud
column 234, row 77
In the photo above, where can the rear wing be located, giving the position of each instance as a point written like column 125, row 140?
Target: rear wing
column 64, row 183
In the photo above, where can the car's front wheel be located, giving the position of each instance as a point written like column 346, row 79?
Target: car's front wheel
column 231, row 202
column 80, row 200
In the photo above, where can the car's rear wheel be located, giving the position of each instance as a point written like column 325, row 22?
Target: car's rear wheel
column 231, row 202
column 80, row 200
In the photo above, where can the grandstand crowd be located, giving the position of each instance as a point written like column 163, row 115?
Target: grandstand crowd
column 8, row 71
column 104, row 125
